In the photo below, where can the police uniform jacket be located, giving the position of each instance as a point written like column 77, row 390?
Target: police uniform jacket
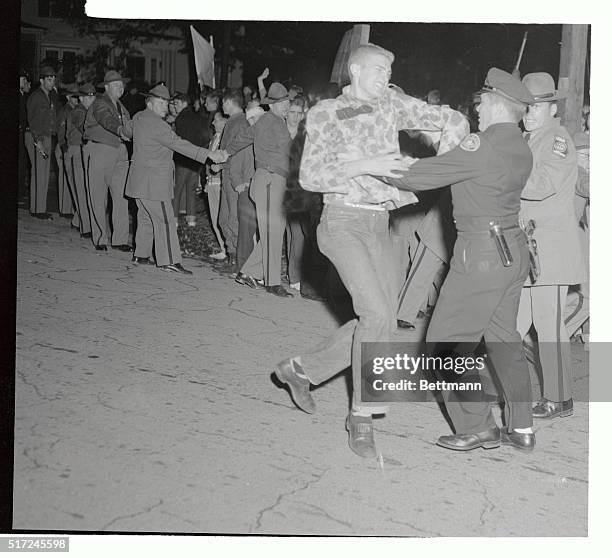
column 74, row 125
column 151, row 174
column 436, row 230
column 42, row 113
column 62, row 123
column 548, row 199
column 487, row 172
column 105, row 122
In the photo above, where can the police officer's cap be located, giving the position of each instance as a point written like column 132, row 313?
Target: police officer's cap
column 47, row 71
column 159, row 91
column 87, row 90
column 507, row 86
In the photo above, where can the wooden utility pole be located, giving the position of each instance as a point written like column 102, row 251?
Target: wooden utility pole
column 227, row 41
column 571, row 74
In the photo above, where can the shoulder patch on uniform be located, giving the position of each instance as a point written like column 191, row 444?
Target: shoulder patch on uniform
column 471, row 142
column 560, row 146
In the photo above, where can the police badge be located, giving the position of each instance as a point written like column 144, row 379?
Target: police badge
column 471, row 142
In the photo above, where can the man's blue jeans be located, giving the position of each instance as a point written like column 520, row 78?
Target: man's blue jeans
column 358, row 243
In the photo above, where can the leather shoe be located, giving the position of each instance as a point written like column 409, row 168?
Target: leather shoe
column 519, row 440
column 547, row 409
column 86, row 235
column 279, row 290
column 404, row 324
column 122, row 247
column 66, row 215
column 488, row 439
column 101, row 247
column 176, row 268
column 361, row 435
column 291, row 373
column 140, row 260
column 43, row 216
column 248, row 281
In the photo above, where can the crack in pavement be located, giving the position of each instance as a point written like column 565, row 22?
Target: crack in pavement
column 488, row 508
column 283, row 495
column 34, row 387
column 143, row 512
column 431, row 533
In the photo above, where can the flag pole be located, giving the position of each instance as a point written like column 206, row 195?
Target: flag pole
column 213, row 63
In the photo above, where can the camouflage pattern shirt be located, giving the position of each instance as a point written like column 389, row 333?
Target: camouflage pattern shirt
column 347, row 128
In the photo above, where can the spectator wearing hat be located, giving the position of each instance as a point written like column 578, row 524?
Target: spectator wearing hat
column 67, row 201
column 42, row 107
column 271, row 142
column 480, row 296
column 24, row 89
column 548, row 200
column 188, row 126
column 151, row 182
column 107, row 128
column 75, row 160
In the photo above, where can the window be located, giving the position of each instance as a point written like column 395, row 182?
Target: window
column 68, row 67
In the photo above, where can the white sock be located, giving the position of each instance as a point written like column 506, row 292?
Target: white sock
column 361, row 414
column 523, row 430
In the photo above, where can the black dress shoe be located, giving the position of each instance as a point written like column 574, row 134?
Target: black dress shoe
column 488, row 439
column 86, row 235
column 102, row 247
column 547, row 409
column 361, row 435
column 291, row 373
column 404, row 324
column 279, row 290
column 66, row 215
column 139, row 260
column 248, row 281
column 176, row 268
column 518, row 440
column 122, row 247
column 43, row 216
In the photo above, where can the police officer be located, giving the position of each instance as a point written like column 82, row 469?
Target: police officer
column 24, row 89
column 151, row 182
column 66, row 197
column 107, row 128
column 42, row 106
column 75, row 161
column 548, row 200
column 490, row 261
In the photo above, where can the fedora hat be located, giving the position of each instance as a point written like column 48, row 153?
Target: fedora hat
column 113, row 75
column 87, row 90
column 542, row 87
column 276, row 93
column 159, row 91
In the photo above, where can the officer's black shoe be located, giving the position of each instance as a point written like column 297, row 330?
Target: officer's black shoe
column 176, row 268
column 86, row 235
column 139, row 260
column 43, row 216
column 361, row 435
column 518, row 440
column 122, row 247
column 488, row 439
column 279, row 290
column 291, row 373
column 249, row 281
column 547, row 409
column 101, row 247
column 404, row 324
column 66, row 215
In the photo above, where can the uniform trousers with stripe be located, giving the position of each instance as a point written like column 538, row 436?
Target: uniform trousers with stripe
column 107, row 169
column 157, row 224
column 426, row 267
column 480, row 299
column 40, row 170
column 544, row 306
column 65, row 195
column 358, row 243
column 75, row 167
column 268, row 192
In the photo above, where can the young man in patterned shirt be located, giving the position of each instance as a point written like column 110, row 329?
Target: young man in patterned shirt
column 350, row 140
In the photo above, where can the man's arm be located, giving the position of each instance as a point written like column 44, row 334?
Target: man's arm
column 243, row 139
column 169, row 139
column 108, row 119
column 550, row 169
column 418, row 115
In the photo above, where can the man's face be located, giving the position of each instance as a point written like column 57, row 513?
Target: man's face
column 176, row 107
column 539, row 115
column 226, row 106
column 159, row 106
column 373, row 75
column 24, row 84
column 114, row 89
column 87, row 100
column 281, row 108
column 211, row 104
column 485, row 111
column 47, row 83
column 295, row 114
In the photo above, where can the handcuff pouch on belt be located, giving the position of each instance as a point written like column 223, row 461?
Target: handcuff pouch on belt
column 534, row 258
column 502, row 246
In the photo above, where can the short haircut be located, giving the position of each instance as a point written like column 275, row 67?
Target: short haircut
column 361, row 54
column 184, row 97
column 213, row 95
column 235, row 96
column 299, row 101
column 515, row 109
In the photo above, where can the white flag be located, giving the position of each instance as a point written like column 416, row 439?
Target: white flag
column 204, row 55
